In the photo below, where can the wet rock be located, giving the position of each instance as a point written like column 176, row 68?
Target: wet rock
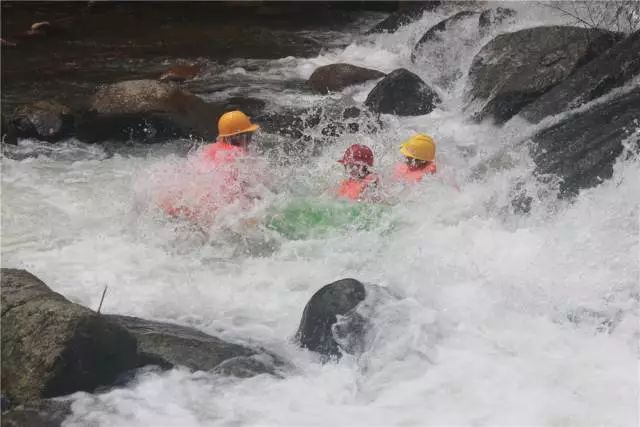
column 250, row 106
column 168, row 345
column 402, row 93
column 612, row 69
column 408, row 12
column 516, row 68
column 7, row 131
column 493, row 17
column 246, row 367
column 52, row 347
column 442, row 51
column 335, row 77
column 147, row 110
column 40, row 413
column 583, row 147
column 43, row 120
column 320, row 315
column 434, row 35
column 181, row 73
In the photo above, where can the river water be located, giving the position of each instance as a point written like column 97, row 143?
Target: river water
column 503, row 318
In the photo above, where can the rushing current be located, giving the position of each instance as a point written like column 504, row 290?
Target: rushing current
column 504, row 318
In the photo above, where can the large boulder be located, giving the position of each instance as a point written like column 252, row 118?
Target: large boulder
column 407, row 13
column 168, row 345
column 335, row 77
column 402, row 93
column 43, row 120
column 612, row 69
column 444, row 50
column 40, row 413
column 582, row 148
column 494, row 17
column 321, row 314
column 515, row 68
column 52, row 347
column 434, row 35
column 147, row 110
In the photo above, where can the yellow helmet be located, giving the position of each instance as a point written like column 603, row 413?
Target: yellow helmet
column 420, row 147
column 234, row 123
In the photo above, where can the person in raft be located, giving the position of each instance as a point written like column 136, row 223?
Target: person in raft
column 361, row 183
column 235, row 132
column 419, row 153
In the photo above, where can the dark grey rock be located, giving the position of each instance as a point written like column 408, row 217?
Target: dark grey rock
column 402, row 93
column 493, row 17
column 246, row 366
column 516, row 68
column 43, row 120
column 582, row 148
column 335, row 77
column 52, row 347
column 409, row 12
column 612, row 69
column 320, row 315
column 168, row 345
column 433, row 35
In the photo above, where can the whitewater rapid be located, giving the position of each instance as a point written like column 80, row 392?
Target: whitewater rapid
column 503, row 318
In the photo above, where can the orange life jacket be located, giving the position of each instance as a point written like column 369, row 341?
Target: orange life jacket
column 404, row 173
column 222, row 153
column 353, row 188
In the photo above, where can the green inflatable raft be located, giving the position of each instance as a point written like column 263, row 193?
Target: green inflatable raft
column 306, row 218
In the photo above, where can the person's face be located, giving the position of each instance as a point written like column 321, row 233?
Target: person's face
column 415, row 163
column 242, row 140
column 355, row 170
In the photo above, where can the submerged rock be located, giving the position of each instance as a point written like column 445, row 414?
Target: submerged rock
column 52, row 347
column 43, row 120
column 246, row 366
column 168, row 345
column 181, row 73
column 493, row 17
column 147, row 110
column 433, row 35
column 582, row 148
column 40, row 413
column 445, row 47
column 402, row 93
column 321, row 314
column 515, row 68
column 612, row 69
column 335, row 77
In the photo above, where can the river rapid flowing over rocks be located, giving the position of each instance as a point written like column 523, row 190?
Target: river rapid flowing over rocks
column 502, row 292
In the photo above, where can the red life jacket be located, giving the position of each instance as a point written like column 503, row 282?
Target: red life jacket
column 404, row 173
column 354, row 188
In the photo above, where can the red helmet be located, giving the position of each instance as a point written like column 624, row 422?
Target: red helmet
column 357, row 154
